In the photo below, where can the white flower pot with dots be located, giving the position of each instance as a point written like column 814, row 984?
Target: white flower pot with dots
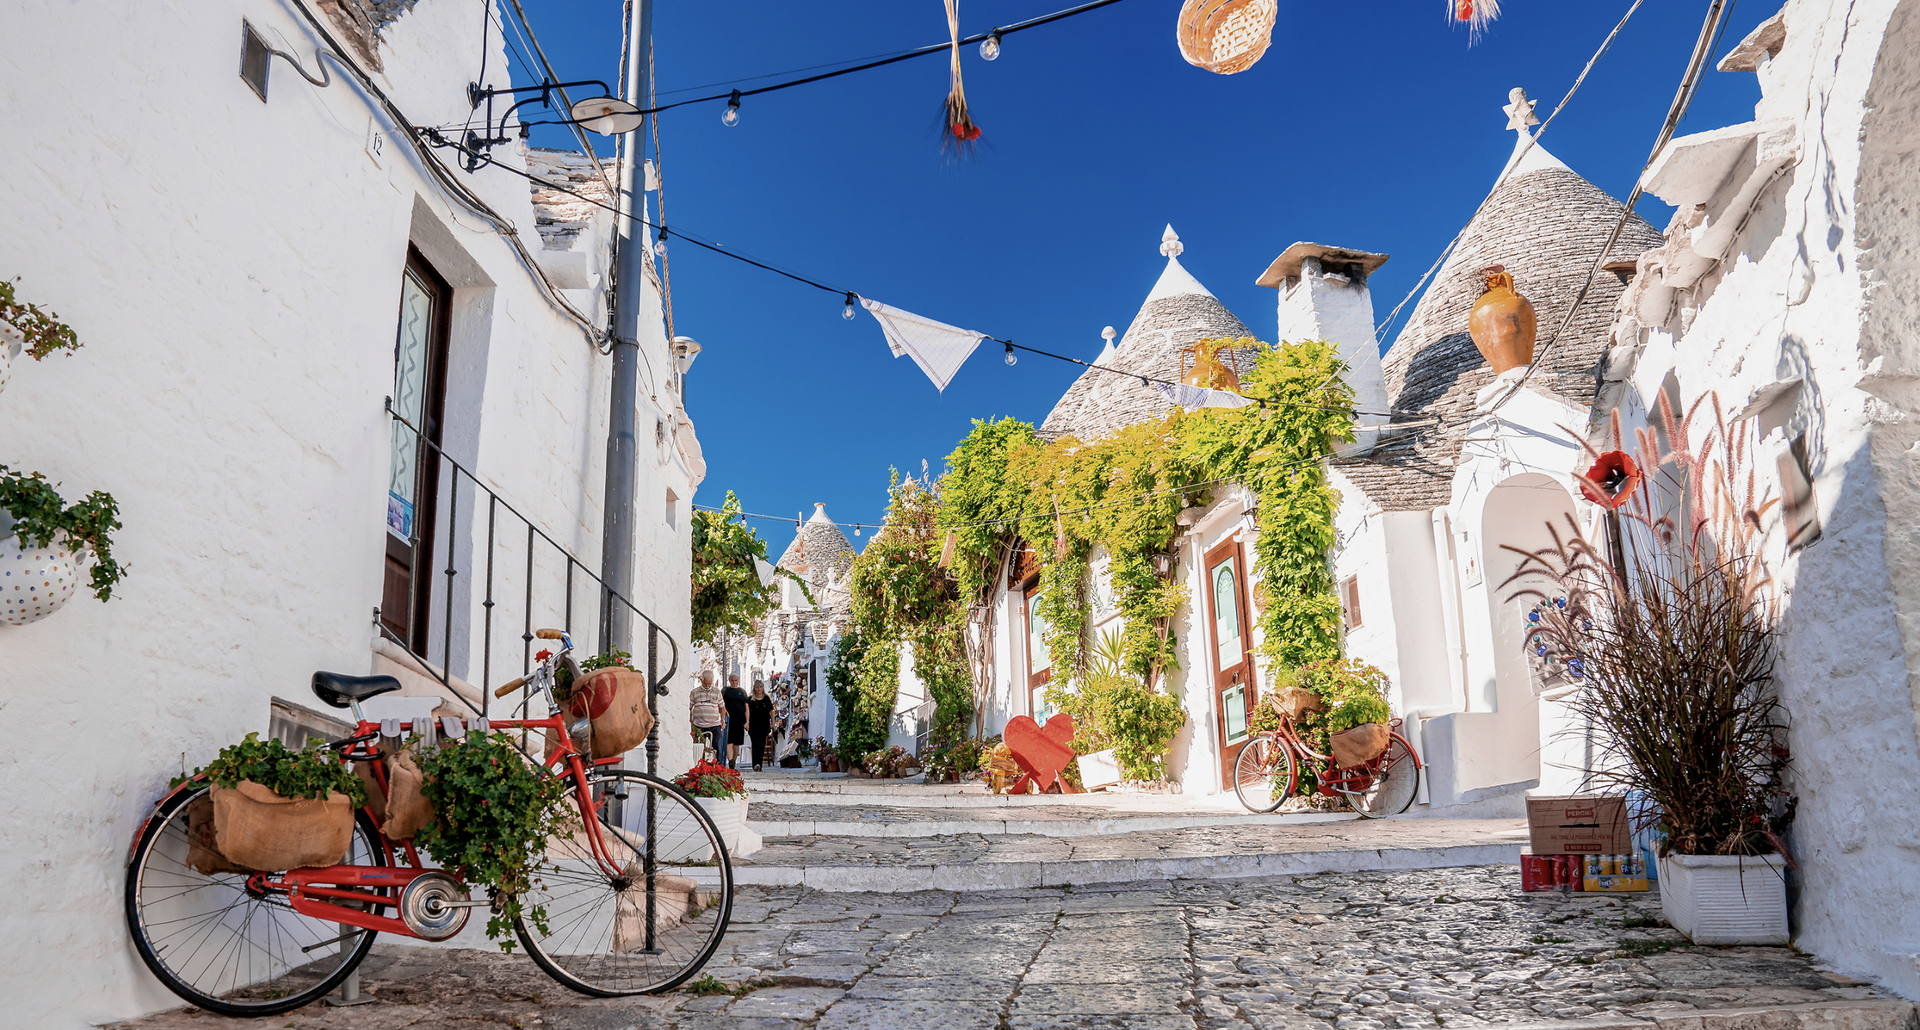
column 10, row 343
column 35, row 582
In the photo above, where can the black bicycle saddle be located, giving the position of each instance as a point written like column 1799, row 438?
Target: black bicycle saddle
column 342, row 691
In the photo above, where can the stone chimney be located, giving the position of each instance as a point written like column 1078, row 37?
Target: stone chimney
column 1324, row 296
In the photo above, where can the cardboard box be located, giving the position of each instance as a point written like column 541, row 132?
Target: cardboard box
column 1579, row 825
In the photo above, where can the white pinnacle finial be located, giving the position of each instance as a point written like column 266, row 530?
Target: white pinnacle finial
column 1170, row 242
column 1108, row 334
column 1520, row 110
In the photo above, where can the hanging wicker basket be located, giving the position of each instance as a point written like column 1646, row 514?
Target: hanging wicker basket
column 1226, row 36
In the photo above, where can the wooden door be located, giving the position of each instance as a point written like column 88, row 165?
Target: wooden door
column 1039, row 658
column 1231, row 654
column 419, row 396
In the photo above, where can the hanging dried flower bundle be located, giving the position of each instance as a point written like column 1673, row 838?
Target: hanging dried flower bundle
column 1476, row 13
column 959, row 130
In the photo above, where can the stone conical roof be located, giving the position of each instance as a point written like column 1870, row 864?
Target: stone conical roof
column 819, row 548
column 1545, row 223
column 1178, row 312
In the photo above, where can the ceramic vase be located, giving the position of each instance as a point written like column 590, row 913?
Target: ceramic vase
column 1726, row 899
column 1503, row 324
column 35, row 582
column 10, row 343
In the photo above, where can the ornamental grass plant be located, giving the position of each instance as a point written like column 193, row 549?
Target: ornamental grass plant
column 1669, row 639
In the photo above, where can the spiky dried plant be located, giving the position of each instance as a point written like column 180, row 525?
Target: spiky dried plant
column 1672, row 648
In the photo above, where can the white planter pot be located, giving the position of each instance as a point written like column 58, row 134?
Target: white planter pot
column 1099, row 769
column 730, row 815
column 1726, row 899
column 35, row 582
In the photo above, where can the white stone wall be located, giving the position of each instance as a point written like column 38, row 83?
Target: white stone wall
column 1820, row 283
column 233, row 268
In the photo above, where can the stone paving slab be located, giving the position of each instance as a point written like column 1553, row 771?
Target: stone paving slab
column 1001, row 862
column 1455, row 949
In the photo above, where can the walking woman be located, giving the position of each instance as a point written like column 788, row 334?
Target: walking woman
column 736, row 701
column 759, row 722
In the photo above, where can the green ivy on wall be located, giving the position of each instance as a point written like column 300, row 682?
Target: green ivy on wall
column 727, row 592
column 1006, row 488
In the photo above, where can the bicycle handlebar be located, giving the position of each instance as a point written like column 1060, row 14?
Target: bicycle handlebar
column 509, row 687
column 549, row 634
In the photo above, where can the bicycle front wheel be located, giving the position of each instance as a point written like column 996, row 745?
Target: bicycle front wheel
column 220, row 944
column 1263, row 774
column 1396, row 779
column 653, row 925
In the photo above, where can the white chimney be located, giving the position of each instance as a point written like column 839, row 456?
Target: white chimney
column 1324, row 296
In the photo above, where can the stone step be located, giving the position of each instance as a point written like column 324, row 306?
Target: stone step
column 1865, row 1014
column 782, row 819
column 972, row 861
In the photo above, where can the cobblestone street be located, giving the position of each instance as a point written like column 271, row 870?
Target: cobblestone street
column 1449, row 947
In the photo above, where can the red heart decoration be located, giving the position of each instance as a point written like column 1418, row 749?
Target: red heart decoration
column 1041, row 751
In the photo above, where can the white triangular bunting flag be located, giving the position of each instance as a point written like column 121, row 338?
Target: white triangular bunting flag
column 938, row 348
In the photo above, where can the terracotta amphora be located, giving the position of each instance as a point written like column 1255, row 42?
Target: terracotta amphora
column 1502, row 323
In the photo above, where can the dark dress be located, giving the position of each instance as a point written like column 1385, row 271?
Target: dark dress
column 736, row 701
column 759, row 725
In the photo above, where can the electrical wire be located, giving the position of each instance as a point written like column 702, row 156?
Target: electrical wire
column 546, row 67
column 1711, row 31
column 934, row 48
column 445, row 177
column 1380, row 331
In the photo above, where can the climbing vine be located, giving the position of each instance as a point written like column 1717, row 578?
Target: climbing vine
column 1006, row 490
column 727, row 590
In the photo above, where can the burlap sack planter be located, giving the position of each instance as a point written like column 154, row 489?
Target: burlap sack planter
column 614, row 700
column 408, row 810
column 203, row 854
column 259, row 829
column 1295, row 702
column 1361, row 744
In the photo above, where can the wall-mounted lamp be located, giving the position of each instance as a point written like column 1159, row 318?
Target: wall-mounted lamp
column 684, row 351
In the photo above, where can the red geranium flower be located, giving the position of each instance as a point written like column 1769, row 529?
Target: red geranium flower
column 543, row 655
column 1612, row 480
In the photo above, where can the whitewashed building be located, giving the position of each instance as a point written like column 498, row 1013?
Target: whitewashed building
column 1789, row 284
column 261, row 270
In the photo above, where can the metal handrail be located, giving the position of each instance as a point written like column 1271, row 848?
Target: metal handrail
column 495, row 505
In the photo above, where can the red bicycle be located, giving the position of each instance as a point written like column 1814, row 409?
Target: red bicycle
column 1268, row 771
column 637, row 895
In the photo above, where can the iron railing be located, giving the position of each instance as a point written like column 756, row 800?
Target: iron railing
column 493, row 558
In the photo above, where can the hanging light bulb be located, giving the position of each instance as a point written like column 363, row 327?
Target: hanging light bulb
column 660, row 245
column 1011, row 360
column 847, row 312
column 856, row 529
column 732, row 116
column 990, row 46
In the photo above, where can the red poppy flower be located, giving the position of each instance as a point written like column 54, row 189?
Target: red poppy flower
column 1612, row 480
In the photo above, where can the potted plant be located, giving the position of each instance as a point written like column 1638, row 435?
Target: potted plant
column 272, row 809
column 26, row 328
column 1666, row 644
column 45, row 543
column 493, row 813
column 889, row 762
column 829, row 758
column 723, row 794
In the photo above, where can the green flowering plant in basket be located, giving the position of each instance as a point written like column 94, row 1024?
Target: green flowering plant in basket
column 493, row 813
column 309, row 774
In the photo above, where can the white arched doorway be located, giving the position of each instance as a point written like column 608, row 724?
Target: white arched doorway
column 1523, row 513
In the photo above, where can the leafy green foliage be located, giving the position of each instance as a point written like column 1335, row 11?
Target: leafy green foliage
column 493, row 813
column 727, row 592
column 44, row 331
column 308, row 774
column 712, row 780
column 611, row 659
column 1125, row 492
column 40, row 516
column 1354, row 692
column 863, row 680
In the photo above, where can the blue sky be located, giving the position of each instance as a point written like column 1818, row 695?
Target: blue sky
column 1367, row 125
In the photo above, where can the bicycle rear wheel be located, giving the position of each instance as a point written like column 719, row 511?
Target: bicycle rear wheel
column 224, row 947
column 1395, row 780
column 1263, row 774
column 651, row 927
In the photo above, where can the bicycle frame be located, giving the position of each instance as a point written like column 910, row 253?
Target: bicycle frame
column 1334, row 781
